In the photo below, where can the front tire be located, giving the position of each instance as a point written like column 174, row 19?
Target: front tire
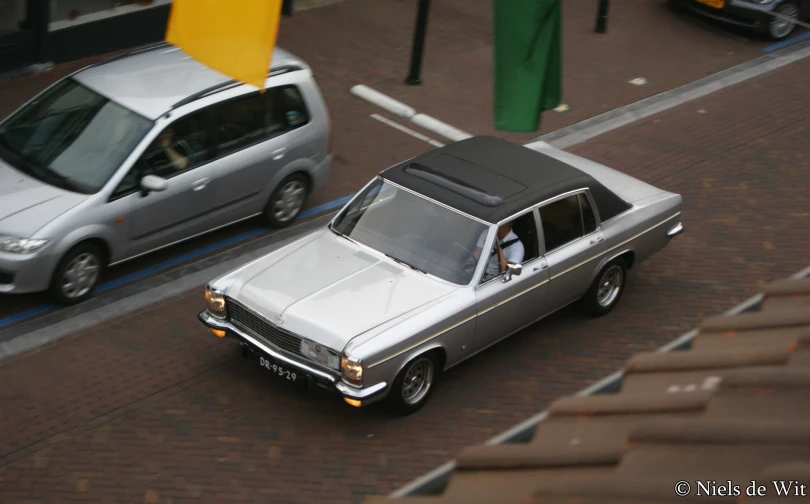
column 414, row 384
column 287, row 201
column 77, row 274
column 607, row 288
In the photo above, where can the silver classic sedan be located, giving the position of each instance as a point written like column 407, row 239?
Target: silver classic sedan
column 436, row 259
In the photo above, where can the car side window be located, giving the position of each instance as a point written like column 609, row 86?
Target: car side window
column 562, row 222
column 248, row 120
column 588, row 215
column 183, row 145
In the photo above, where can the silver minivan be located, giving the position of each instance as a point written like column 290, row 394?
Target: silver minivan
column 145, row 150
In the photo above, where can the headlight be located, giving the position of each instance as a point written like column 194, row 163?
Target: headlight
column 215, row 302
column 352, row 369
column 17, row 245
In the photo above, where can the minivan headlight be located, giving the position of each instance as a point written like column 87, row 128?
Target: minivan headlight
column 352, row 369
column 17, row 245
column 215, row 302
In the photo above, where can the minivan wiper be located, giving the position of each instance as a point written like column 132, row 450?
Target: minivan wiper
column 404, row 263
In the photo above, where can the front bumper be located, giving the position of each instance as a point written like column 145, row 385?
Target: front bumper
column 330, row 381
column 24, row 273
column 735, row 12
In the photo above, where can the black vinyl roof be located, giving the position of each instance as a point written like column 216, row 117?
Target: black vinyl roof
column 491, row 178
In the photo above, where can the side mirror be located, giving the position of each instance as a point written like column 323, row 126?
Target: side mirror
column 512, row 270
column 153, row 183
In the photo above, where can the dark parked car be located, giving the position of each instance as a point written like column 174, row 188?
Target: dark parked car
column 769, row 17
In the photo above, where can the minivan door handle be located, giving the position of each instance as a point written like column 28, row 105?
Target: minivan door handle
column 279, row 153
column 200, row 184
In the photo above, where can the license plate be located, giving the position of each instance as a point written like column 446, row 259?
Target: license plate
column 717, row 4
column 281, row 371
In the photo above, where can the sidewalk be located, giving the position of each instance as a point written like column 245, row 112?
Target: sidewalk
column 150, row 408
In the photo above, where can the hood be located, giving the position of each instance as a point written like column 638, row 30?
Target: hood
column 26, row 204
column 329, row 290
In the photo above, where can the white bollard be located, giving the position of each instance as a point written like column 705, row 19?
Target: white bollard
column 383, row 101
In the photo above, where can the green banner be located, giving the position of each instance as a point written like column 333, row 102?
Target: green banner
column 527, row 62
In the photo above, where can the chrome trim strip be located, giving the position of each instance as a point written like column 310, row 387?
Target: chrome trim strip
column 611, row 249
column 360, row 393
column 214, row 323
column 415, row 345
column 397, row 354
column 675, row 231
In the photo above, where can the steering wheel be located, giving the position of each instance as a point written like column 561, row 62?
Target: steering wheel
column 470, row 257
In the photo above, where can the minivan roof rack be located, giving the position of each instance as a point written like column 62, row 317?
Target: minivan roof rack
column 228, row 84
column 137, row 50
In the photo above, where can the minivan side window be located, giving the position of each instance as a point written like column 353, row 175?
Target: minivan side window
column 248, row 120
column 183, row 145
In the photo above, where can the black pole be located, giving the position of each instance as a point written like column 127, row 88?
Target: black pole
column 414, row 78
column 601, row 16
column 287, row 7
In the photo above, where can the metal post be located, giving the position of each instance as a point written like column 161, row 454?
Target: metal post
column 287, row 7
column 414, row 78
column 601, row 16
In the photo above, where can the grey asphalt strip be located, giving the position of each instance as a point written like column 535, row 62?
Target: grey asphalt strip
column 622, row 116
column 60, row 323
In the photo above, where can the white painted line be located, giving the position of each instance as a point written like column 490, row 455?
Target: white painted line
column 407, row 130
column 438, row 127
column 385, row 102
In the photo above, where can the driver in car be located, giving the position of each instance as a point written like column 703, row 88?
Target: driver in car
column 508, row 249
column 177, row 160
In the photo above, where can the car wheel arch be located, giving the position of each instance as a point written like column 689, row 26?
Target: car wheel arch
column 435, row 348
column 628, row 255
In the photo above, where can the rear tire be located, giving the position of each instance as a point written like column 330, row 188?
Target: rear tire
column 287, row 201
column 77, row 274
column 414, row 384
column 606, row 290
column 779, row 29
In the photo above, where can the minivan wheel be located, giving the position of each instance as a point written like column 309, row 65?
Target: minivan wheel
column 287, row 201
column 779, row 28
column 77, row 274
column 414, row 384
column 606, row 289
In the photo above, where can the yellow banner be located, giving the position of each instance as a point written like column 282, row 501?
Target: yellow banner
column 234, row 37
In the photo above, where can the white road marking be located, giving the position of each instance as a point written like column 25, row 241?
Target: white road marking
column 407, row 130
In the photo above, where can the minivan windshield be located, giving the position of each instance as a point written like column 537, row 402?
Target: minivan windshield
column 413, row 230
column 71, row 137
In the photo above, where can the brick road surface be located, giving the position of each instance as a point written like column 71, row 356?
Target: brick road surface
column 368, row 41
column 151, row 408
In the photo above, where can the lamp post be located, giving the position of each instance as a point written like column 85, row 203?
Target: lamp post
column 601, row 16
column 414, row 77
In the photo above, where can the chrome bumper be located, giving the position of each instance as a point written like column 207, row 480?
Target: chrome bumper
column 675, row 230
column 364, row 395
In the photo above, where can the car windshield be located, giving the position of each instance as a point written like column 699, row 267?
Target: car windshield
column 413, row 230
column 71, row 137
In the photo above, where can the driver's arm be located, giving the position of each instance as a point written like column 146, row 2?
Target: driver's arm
column 179, row 161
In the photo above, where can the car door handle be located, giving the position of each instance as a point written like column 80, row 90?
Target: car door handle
column 540, row 267
column 200, row 184
column 279, row 153
column 598, row 239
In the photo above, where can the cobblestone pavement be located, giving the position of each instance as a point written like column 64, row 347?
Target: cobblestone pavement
column 368, row 42
column 150, row 408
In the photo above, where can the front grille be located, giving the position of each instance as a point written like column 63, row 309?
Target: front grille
column 245, row 318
